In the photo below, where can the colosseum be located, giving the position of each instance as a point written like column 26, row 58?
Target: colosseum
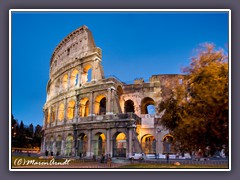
column 87, row 114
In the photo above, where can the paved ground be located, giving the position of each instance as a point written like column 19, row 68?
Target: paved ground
column 116, row 162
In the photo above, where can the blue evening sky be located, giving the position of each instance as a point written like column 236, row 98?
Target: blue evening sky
column 134, row 45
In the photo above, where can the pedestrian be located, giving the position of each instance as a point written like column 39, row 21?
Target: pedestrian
column 46, row 152
column 102, row 158
column 167, row 157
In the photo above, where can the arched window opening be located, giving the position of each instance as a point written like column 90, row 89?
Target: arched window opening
column 68, row 51
column 69, row 145
column 58, row 145
column 82, row 142
column 99, row 144
column 148, row 106
column 167, row 144
column 119, row 145
column 74, row 78
column 129, row 106
column 148, row 143
column 61, row 112
column 87, row 74
column 49, row 116
column 71, row 109
column 84, row 107
column 151, row 109
column 65, row 82
column 100, row 105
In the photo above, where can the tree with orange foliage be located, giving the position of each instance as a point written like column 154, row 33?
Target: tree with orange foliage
column 197, row 110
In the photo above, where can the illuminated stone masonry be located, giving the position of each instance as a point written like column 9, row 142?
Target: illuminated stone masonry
column 86, row 114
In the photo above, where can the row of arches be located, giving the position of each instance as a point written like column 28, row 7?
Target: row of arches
column 98, row 144
column 147, row 106
column 53, row 114
column 99, row 108
column 71, row 80
column 149, row 144
column 59, row 146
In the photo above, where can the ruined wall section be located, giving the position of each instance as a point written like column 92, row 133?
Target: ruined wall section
column 77, row 52
column 167, row 83
column 140, row 90
column 76, row 45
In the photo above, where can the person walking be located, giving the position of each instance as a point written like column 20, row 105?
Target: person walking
column 167, row 157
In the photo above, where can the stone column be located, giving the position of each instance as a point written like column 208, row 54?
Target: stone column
column 160, row 144
column 54, row 148
column 93, row 70
column 109, row 100
column 89, row 147
column 62, row 147
column 50, row 118
column 76, row 110
column 56, row 113
column 130, row 142
column 75, row 139
column 79, row 77
column 65, row 111
column 91, row 102
column 69, row 77
column 108, row 150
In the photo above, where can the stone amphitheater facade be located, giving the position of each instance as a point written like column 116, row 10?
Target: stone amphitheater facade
column 87, row 114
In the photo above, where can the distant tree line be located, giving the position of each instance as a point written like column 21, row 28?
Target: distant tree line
column 25, row 136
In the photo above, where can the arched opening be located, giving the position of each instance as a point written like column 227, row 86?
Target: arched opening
column 58, row 145
column 87, row 74
column 119, row 145
column 53, row 114
column 48, row 116
column 74, row 78
column 71, row 109
column 61, row 112
column 167, row 143
column 82, row 145
column 129, row 106
column 69, row 145
column 148, row 106
column 148, row 143
column 84, row 107
column 65, row 82
column 99, row 144
column 100, row 105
